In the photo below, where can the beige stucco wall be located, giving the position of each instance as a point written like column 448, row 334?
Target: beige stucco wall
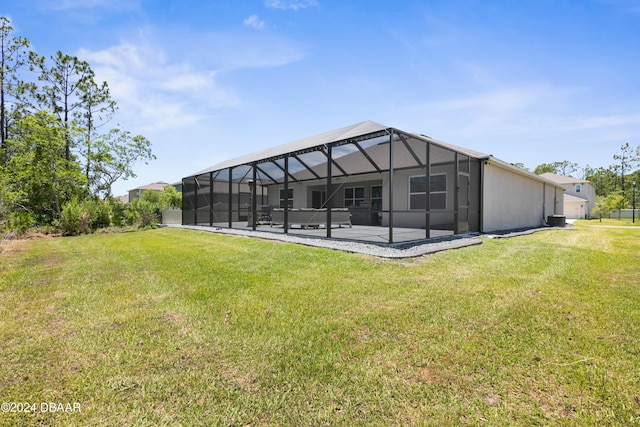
column 513, row 200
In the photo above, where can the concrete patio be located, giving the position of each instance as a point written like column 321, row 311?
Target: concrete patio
column 357, row 233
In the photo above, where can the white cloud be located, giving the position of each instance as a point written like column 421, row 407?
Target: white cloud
column 594, row 122
column 254, row 22
column 290, row 4
column 154, row 92
column 162, row 81
column 246, row 50
column 505, row 100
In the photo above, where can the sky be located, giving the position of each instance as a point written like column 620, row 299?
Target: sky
column 205, row 81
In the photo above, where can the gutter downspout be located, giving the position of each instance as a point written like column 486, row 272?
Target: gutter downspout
column 544, row 203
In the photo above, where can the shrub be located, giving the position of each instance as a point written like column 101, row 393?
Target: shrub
column 118, row 213
column 131, row 214
column 143, row 213
column 72, row 220
column 21, row 221
column 99, row 213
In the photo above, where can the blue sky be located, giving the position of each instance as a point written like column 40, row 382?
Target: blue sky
column 527, row 81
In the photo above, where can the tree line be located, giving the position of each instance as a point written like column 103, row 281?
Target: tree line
column 59, row 156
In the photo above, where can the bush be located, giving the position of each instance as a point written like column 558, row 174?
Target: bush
column 118, row 213
column 99, row 212
column 142, row 213
column 73, row 219
column 21, row 221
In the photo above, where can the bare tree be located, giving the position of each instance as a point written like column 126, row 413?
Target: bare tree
column 12, row 57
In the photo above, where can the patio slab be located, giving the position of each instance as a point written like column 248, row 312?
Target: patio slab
column 353, row 239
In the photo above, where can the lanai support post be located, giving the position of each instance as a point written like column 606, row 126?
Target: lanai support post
column 254, row 197
column 195, row 200
column 286, row 195
column 427, row 221
column 230, row 198
column 456, row 195
column 210, row 199
column 329, row 190
column 391, row 186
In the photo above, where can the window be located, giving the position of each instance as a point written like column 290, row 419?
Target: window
column 353, row 196
column 437, row 192
column 290, row 194
column 578, row 188
column 376, row 197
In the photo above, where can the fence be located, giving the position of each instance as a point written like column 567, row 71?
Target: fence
column 624, row 213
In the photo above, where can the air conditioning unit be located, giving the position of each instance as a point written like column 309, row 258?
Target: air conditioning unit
column 557, row 220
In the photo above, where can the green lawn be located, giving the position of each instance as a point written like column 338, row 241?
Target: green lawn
column 176, row 327
column 614, row 221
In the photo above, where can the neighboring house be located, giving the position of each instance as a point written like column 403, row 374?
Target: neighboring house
column 386, row 178
column 136, row 193
column 123, row 199
column 177, row 186
column 579, row 195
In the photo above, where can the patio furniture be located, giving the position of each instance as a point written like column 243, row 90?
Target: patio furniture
column 312, row 218
column 264, row 215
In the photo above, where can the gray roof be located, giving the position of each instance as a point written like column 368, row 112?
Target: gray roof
column 153, row 186
column 357, row 130
column 560, row 179
column 574, row 198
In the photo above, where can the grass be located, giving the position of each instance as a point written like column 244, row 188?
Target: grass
column 611, row 222
column 175, row 327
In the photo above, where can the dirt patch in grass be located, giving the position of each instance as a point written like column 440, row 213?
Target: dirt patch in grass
column 9, row 246
column 12, row 243
column 174, row 317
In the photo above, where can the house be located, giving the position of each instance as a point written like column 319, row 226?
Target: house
column 124, row 199
column 136, row 193
column 393, row 185
column 579, row 196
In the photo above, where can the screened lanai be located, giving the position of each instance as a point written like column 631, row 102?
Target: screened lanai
column 364, row 182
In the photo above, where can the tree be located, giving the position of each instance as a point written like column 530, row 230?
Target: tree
column 98, row 108
column 601, row 207
column 564, row 168
column 604, row 179
column 617, row 202
column 115, row 155
column 66, row 82
column 628, row 159
column 12, row 57
column 52, row 148
column 544, row 168
column 43, row 179
column 521, row 166
column 171, row 197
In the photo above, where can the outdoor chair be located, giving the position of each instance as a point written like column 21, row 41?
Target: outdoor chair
column 264, row 216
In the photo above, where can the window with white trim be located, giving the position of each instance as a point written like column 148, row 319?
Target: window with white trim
column 437, row 192
column 578, row 188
